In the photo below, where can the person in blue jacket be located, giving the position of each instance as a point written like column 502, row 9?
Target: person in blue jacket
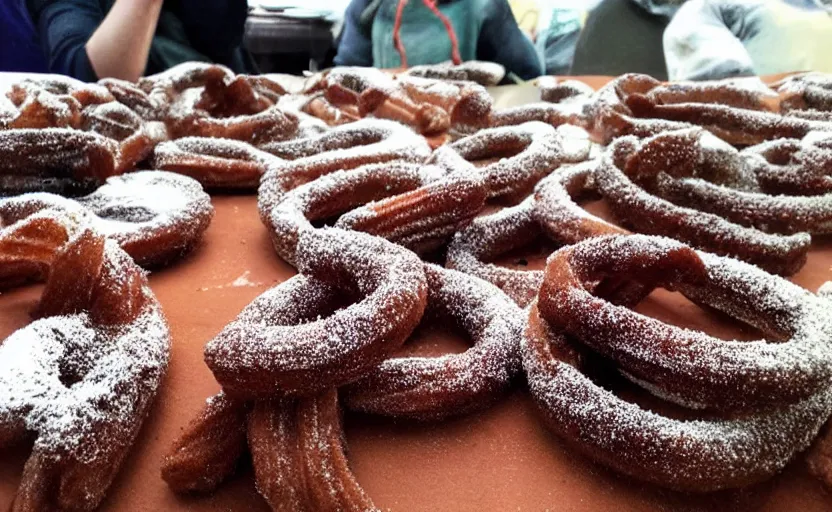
column 19, row 49
column 483, row 29
column 92, row 39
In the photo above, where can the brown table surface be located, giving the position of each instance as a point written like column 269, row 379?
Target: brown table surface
column 501, row 459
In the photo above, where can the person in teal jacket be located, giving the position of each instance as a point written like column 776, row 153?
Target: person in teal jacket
column 485, row 30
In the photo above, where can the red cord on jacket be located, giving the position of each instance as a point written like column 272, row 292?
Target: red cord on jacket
column 430, row 4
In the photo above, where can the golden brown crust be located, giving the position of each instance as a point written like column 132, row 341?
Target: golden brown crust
column 94, row 359
column 384, row 291
column 434, row 388
column 209, row 449
column 718, row 451
column 154, row 216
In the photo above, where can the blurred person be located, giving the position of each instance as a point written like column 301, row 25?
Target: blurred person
column 624, row 36
column 433, row 31
column 93, row 39
column 558, row 29
column 604, row 37
column 527, row 14
column 19, row 50
column 713, row 39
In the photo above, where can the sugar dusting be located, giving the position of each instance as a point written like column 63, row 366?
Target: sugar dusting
column 691, row 364
column 85, row 388
column 541, row 149
column 437, row 387
column 491, row 235
column 268, row 338
column 242, row 281
column 483, row 73
column 685, row 454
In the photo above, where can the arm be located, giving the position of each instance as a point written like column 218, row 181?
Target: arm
column 81, row 41
column 502, row 41
column 119, row 47
column 699, row 45
column 356, row 46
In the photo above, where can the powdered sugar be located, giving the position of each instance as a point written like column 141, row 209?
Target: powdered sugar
column 701, row 455
column 334, row 194
column 345, row 147
column 540, row 150
column 489, row 236
column 437, row 387
column 483, row 73
column 277, row 346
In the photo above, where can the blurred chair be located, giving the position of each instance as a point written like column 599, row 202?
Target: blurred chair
column 621, row 37
column 286, row 44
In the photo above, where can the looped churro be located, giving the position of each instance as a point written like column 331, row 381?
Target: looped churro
column 83, row 376
column 651, row 214
column 534, row 150
column 207, row 100
column 30, row 106
column 424, row 219
column 428, row 105
column 364, row 142
column 265, row 353
column 438, row 387
column 214, row 162
column 798, row 167
column 335, row 194
column 611, row 99
column 747, row 93
column 701, row 454
column 483, row 73
column 467, row 104
column 374, row 92
column 154, row 216
column 691, row 367
column 29, row 156
column 49, row 102
column 691, row 168
column 733, row 125
column 60, row 85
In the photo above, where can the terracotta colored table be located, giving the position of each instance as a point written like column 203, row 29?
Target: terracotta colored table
column 498, row 460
